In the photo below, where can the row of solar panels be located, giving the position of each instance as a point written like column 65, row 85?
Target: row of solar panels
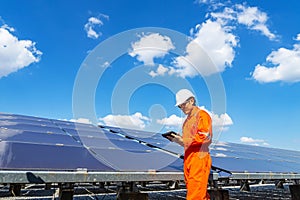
column 32, row 143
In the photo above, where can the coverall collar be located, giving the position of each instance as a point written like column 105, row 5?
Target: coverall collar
column 193, row 112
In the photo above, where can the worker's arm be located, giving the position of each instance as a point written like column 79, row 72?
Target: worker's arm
column 203, row 134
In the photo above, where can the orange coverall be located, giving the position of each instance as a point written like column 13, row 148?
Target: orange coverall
column 197, row 160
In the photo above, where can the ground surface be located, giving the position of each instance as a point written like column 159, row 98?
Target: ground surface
column 154, row 192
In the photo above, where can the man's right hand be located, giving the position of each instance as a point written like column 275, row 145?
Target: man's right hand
column 176, row 138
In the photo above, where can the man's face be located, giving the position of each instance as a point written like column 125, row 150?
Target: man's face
column 187, row 106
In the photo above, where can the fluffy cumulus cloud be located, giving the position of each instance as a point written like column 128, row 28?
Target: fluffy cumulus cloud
column 252, row 141
column 135, row 121
column 282, row 65
column 172, row 121
column 151, row 46
column 161, row 71
column 81, row 120
column 220, row 122
column 214, row 4
column 298, row 37
column 251, row 17
column 254, row 19
column 211, row 50
column 93, row 24
column 15, row 54
column 212, row 47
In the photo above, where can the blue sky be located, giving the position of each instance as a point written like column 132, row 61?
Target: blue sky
column 241, row 58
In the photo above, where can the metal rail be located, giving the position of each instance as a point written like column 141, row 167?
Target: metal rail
column 265, row 176
column 24, row 177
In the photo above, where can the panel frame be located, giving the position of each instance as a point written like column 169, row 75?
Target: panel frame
column 83, row 176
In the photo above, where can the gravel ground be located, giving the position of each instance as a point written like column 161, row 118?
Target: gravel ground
column 154, row 192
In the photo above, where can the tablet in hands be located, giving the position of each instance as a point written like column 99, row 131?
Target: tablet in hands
column 169, row 135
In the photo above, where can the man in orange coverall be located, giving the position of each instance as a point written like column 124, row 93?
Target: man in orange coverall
column 196, row 137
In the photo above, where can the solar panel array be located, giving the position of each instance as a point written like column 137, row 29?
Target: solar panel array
column 46, row 144
column 43, row 144
column 248, row 158
column 230, row 156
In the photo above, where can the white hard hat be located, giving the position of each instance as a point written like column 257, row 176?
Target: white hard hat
column 183, row 95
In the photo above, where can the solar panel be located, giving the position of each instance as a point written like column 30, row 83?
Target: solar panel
column 229, row 156
column 154, row 139
column 36, row 143
column 28, row 156
column 24, row 136
column 241, row 158
column 143, row 159
column 37, row 127
column 31, row 147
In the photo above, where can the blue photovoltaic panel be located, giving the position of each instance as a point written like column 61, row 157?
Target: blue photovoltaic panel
column 27, row 121
column 130, row 155
column 22, row 156
column 22, row 117
column 230, row 156
column 42, row 144
column 110, row 143
column 143, row 159
column 241, row 158
column 151, row 138
column 30, row 127
column 15, row 135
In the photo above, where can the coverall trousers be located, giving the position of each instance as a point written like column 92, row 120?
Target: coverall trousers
column 196, row 173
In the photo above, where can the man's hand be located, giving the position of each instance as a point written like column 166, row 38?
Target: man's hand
column 176, row 138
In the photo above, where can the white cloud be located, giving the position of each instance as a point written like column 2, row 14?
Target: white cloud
column 15, row 54
column 81, row 120
column 298, row 37
column 284, row 66
column 211, row 51
column 254, row 19
column 212, row 48
column 151, row 46
column 106, row 64
column 202, row 1
column 221, row 122
column 251, row 17
column 215, row 36
column 135, row 121
column 211, row 3
column 160, row 71
column 172, row 121
column 93, row 24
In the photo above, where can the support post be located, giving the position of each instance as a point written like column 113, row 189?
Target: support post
column 129, row 191
column 48, row 186
column 173, row 184
column 66, row 191
column 279, row 184
column 245, row 186
column 15, row 189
